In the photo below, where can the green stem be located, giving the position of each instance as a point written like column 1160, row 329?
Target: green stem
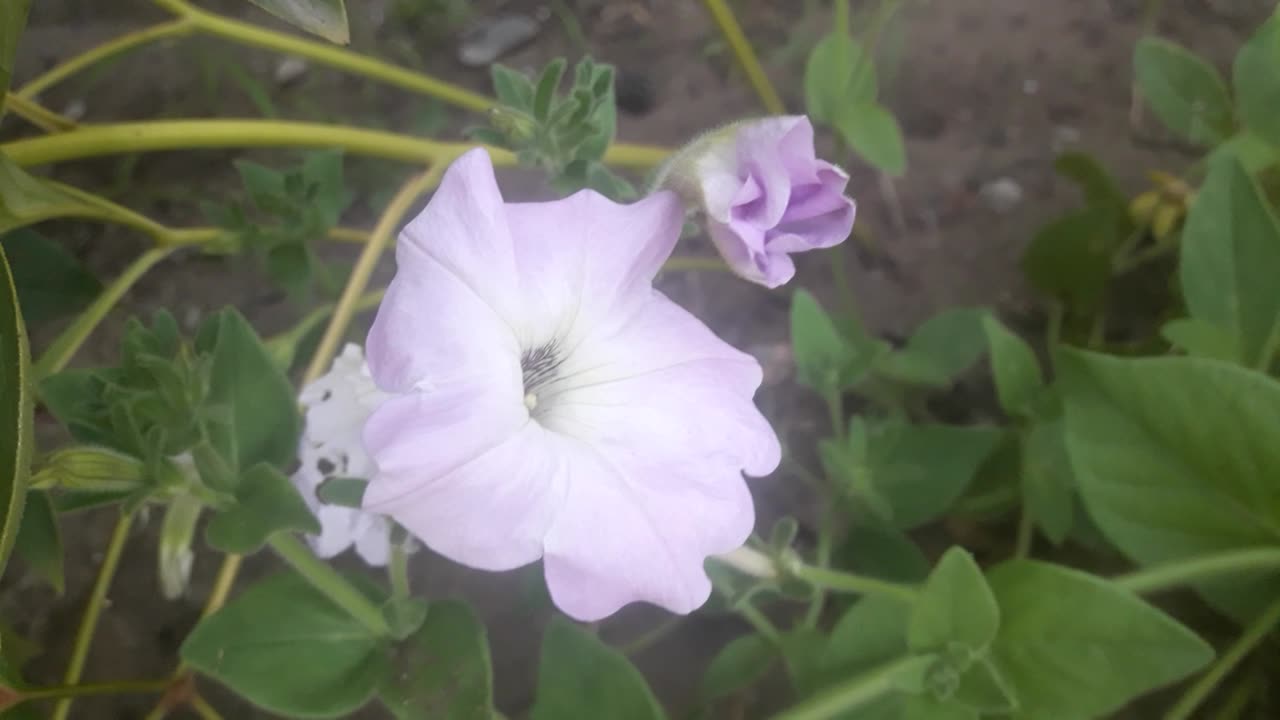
column 663, row 629
column 1183, row 572
column 93, row 56
column 835, row 410
column 849, row 695
column 840, row 581
column 324, row 578
column 745, row 55
column 64, row 347
column 89, row 622
column 37, row 114
column 202, row 708
column 1253, row 634
column 826, row 532
column 762, row 624
column 119, row 687
column 398, row 570
column 132, row 137
column 1026, row 532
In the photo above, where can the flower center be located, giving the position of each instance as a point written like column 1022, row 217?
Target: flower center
column 538, row 368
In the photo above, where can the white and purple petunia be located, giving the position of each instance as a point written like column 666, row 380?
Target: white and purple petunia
column 547, row 402
column 766, row 195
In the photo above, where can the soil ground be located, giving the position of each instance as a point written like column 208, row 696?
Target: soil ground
column 985, row 90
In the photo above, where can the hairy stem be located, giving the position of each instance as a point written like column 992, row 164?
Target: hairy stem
column 1183, row 572
column 324, row 578
column 1200, row 691
column 840, row 581
column 89, row 622
column 745, row 55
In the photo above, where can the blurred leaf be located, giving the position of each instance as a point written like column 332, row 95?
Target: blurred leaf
column 955, row 606
column 1199, row 338
column 738, row 665
column 837, row 74
column 442, row 671
column 1230, row 260
column 1177, row 458
column 13, row 17
column 51, row 282
column 923, row 469
column 286, row 648
column 39, row 542
column 548, row 82
column 26, row 199
column 1184, row 91
column 1070, row 258
column 513, row 88
column 1073, row 646
column 1249, row 150
column 404, row 615
column 1048, row 485
column 871, row 633
column 266, row 503
column 984, row 689
column 873, row 133
column 326, row 18
column 342, row 491
column 802, row 650
column 580, row 677
column 944, row 346
column 1097, row 185
column 16, row 432
column 882, row 552
column 1014, row 367
column 825, row 360
column 263, row 184
column 1256, row 75
column 257, row 94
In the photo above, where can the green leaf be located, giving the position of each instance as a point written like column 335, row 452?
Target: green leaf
column 442, row 671
column 1073, row 646
column 1048, row 485
column 264, row 185
column 1097, row 185
column 984, row 689
column 922, row 469
column 1198, row 338
column 1184, row 91
column 26, row 199
column 824, row 359
column 1230, row 259
column 513, row 88
column 1177, row 458
column 261, row 400
column 548, row 82
column 923, row 707
column 873, row 132
column 39, row 542
column 944, row 346
column 13, row 17
column 738, row 665
column 955, row 606
column 1249, row 150
column 326, row 18
column 16, row 421
column 285, row 647
column 89, row 469
column 580, row 677
column 802, row 650
column 266, row 503
column 837, row 73
column 51, row 282
column 882, row 552
column 1014, row 367
column 1070, row 258
column 1256, row 75
column 342, row 491
column 870, row 634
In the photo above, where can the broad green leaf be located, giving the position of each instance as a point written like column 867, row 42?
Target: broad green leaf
column 1014, row 367
column 941, row 348
column 955, row 606
column 1070, row 258
column 580, row 677
column 16, row 431
column 261, row 400
column 874, row 134
column 287, row 648
column 51, row 282
column 1073, row 646
column 802, row 649
column 738, row 665
column 1048, row 485
column 1230, row 259
column 266, row 503
column 922, row 469
column 39, row 542
column 13, row 17
column 871, row 633
column 1184, row 91
column 825, row 360
column 1256, row 75
column 1250, row 150
column 326, row 18
column 882, row 552
column 442, row 671
column 838, row 73
column 26, row 199
column 1199, row 338
column 1177, row 458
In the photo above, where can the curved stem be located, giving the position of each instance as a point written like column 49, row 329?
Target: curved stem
column 848, row 582
column 1253, row 634
column 378, row 240
column 64, row 347
column 745, row 55
column 202, row 708
column 128, row 41
column 324, row 578
column 118, row 687
column 117, row 138
column 37, row 114
column 849, row 695
column 89, row 623
column 1182, row 572
column 762, row 624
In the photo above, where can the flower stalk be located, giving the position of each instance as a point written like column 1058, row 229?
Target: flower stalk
column 324, row 578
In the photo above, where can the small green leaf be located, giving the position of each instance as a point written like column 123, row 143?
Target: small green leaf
column 1184, row 91
column 922, row 469
column 286, row 648
column 1198, row 338
column 39, row 542
column 738, row 665
column 1014, row 367
column 838, row 73
column 802, row 649
column 944, row 346
column 266, row 503
column 984, row 689
column 1072, row 645
column 264, row 185
column 1097, row 185
column 1256, row 75
column 874, row 134
column 514, row 89
column 16, row 429
column 326, row 18
column 442, row 671
column 1230, row 259
column 1048, row 485
column 824, row 359
column 51, row 282
column 26, row 199
column 580, row 677
column 13, row 17
column 548, row 82
column 955, row 606
column 882, row 552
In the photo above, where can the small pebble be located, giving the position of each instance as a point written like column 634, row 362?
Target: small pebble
column 289, row 69
column 492, row 38
column 75, row 110
column 1030, row 87
column 1002, row 194
column 1064, row 136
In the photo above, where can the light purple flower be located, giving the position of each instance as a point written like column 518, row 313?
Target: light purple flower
column 338, row 404
column 549, row 403
column 766, row 195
